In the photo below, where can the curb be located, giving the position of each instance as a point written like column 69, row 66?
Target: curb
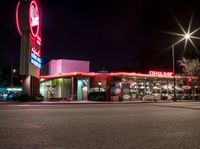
column 89, row 102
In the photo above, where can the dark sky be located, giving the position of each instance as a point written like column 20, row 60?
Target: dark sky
column 117, row 35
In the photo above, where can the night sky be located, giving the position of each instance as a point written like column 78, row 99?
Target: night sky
column 114, row 35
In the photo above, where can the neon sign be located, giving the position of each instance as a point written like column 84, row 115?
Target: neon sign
column 28, row 22
column 35, row 51
column 160, row 73
column 34, row 19
column 39, row 41
column 17, row 20
column 35, row 60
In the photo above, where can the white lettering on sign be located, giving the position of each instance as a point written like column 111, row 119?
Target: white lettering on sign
column 35, row 63
column 35, row 51
column 35, row 60
column 160, row 73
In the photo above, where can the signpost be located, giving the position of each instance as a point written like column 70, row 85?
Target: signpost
column 28, row 21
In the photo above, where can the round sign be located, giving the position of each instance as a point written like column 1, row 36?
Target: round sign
column 17, row 19
column 34, row 18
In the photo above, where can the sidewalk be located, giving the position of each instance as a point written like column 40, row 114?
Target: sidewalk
column 113, row 102
column 89, row 102
column 92, row 102
column 70, row 102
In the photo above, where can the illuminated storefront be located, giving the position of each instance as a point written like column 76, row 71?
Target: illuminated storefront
column 154, row 85
column 72, row 80
column 116, row 86
column 61, row 80
column 67, row 88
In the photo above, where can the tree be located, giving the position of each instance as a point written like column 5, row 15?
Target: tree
column 190, row 67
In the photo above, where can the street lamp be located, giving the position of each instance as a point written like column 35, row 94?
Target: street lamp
column 185, row 36
column 13, row 71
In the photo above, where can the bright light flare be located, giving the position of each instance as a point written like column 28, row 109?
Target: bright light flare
column 186, row 35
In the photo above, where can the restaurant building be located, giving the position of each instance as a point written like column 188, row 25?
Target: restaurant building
column 72, row 80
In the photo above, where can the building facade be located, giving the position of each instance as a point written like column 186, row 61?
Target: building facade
column 71, row 80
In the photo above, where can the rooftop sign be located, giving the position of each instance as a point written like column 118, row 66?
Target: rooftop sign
column 160, row 73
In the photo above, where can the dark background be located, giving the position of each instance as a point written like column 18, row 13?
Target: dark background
column 112, row 35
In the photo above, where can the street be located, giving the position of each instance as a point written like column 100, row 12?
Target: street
column 174, row 125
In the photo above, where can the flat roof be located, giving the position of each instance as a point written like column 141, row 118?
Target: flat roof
column 115, row 74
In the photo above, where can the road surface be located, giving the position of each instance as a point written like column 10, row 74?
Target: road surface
column 101, row 126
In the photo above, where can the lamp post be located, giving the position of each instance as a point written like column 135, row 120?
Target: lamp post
column 186, row 36
column 13, row 71
column 174, row 78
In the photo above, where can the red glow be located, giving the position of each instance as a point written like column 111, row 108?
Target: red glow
column 17, row 19
column 113, row 74
column 35, row 51
column 68, row 75
column 34, row 19
column 39, row 40
column 133, row 74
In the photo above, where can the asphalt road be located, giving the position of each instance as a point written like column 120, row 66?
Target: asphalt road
column 101, row 126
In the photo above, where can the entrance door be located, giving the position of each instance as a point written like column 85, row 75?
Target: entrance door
column 85, row 92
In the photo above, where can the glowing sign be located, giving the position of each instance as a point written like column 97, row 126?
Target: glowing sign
column 35, row 60
column 39, row 41
column 160, row 73
column 14, row 89
column 17, row 20
column 35, row 51
column 34, row 19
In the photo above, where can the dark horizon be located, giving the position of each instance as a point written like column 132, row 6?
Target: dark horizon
column 114, row 35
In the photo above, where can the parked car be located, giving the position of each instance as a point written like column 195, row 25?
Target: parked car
column 11, row 95
column 1, row 95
